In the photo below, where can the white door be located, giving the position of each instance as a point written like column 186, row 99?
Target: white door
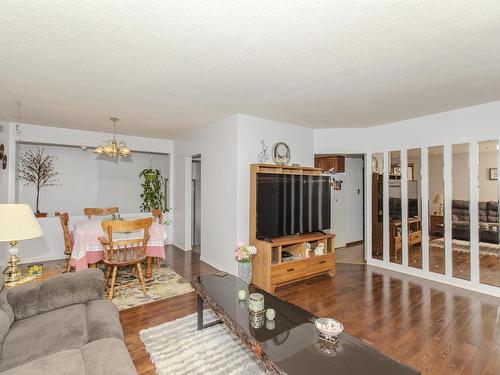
column 339, row 217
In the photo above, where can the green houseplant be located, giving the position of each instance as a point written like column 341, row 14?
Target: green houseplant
column 38, row 170
column 152, row 195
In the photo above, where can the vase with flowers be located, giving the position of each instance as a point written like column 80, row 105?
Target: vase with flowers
column 244, row 254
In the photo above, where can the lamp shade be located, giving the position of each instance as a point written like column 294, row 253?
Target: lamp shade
column 17, row 222
column 438, row 199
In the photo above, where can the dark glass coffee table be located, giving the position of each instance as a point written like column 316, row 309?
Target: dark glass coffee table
column 290, row 343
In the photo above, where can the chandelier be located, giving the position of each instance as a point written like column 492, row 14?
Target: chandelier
column 112, row 147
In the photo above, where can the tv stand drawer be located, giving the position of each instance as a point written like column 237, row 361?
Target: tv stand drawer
column 320, row 263
column 281, row 273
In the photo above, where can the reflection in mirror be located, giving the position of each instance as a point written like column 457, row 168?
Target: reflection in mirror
column 489, row 249
column 395, row 224
column 414, row 208
column 436, row 209
column 377, row 205
column 460, row 243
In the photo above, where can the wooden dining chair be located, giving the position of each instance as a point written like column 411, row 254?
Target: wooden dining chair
column 120, row 252
column 68, row 239
column 157, row 215
column 95, row 211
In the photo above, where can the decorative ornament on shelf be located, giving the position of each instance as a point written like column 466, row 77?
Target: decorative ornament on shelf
column 243, row 254
column 38, row 170
column 281, row 153
column 263, row 156
column 320, row 249
column 112, row 147
column 308, row 249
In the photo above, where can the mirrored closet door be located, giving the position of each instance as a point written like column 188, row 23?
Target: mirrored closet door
column 489, row 250
column 395, row 213
column 414, row 208
column 460, row 213
column 436, row 209
column 377, row 206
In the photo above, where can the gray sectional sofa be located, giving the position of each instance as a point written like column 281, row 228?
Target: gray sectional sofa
column 61, row 326
column 488, row 221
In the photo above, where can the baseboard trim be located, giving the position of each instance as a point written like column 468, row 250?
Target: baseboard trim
column 354, row 243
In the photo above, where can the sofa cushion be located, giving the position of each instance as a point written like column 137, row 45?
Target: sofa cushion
column 44, row 334
column 67, row 362
column 107, row 356
column 58, row 291
column 103, row 320
column 103, row 357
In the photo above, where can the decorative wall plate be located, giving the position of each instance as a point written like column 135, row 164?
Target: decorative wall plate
column 281, row 153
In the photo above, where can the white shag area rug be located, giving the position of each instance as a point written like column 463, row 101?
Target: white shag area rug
column 177, row 347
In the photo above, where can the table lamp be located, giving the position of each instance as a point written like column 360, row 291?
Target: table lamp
column 17, row 222
column 438, row 199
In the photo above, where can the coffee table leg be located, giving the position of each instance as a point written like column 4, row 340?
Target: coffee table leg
column 200, row 317
column 200, row 314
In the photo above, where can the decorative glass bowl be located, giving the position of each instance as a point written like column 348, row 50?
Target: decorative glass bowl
column 330, row 328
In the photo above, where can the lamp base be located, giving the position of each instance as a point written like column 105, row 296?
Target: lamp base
column 12, row 273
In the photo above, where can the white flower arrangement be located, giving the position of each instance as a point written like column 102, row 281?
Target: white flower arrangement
column 243, row 252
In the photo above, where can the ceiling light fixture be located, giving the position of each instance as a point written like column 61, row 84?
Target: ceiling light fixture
column 112, row 147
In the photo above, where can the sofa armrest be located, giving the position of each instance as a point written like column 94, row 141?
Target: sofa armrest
column 58, row 291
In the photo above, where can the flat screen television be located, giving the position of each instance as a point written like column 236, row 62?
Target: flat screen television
column 290, row 204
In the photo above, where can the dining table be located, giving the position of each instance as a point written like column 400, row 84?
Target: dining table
column 88, row 250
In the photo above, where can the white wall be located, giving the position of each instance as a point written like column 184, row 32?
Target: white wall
column 88, row 180
column 466, row 125
column 227, row 149
column 49, row 247
column 217, row 145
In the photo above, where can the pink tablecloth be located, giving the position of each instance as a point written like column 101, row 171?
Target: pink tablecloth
column 87, row 248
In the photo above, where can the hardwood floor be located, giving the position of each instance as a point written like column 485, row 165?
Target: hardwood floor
column 436, row 328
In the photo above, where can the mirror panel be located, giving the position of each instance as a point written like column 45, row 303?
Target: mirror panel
column 377, row 206
column 436, row 209
column 489, row 249
column 395, row 213
column 460, row 213
column 414, row 231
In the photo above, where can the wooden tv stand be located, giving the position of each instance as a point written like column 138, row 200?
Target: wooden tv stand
column 268, row 266
column 270, row 269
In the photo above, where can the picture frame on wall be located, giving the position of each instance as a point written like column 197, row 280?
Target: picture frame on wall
column 493, row 173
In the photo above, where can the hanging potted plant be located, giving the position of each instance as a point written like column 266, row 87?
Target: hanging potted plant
column 38, row 170
column 152, row 195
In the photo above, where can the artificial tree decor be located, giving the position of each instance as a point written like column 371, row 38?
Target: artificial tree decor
column 38, row 170
column 152, row 195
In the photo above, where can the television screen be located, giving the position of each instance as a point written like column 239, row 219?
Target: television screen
column 289, row 204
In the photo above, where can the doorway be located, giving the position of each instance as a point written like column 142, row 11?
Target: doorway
column 196, row 202
column 347, row 204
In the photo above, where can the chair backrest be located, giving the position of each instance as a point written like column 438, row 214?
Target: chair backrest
column 120, row 250
column 157, row 214
column 68, row 240
column 95, row 211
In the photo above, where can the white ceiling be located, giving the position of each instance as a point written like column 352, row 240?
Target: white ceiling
column 166, row 68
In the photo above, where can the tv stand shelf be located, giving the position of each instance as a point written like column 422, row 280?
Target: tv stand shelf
column 269, row 267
